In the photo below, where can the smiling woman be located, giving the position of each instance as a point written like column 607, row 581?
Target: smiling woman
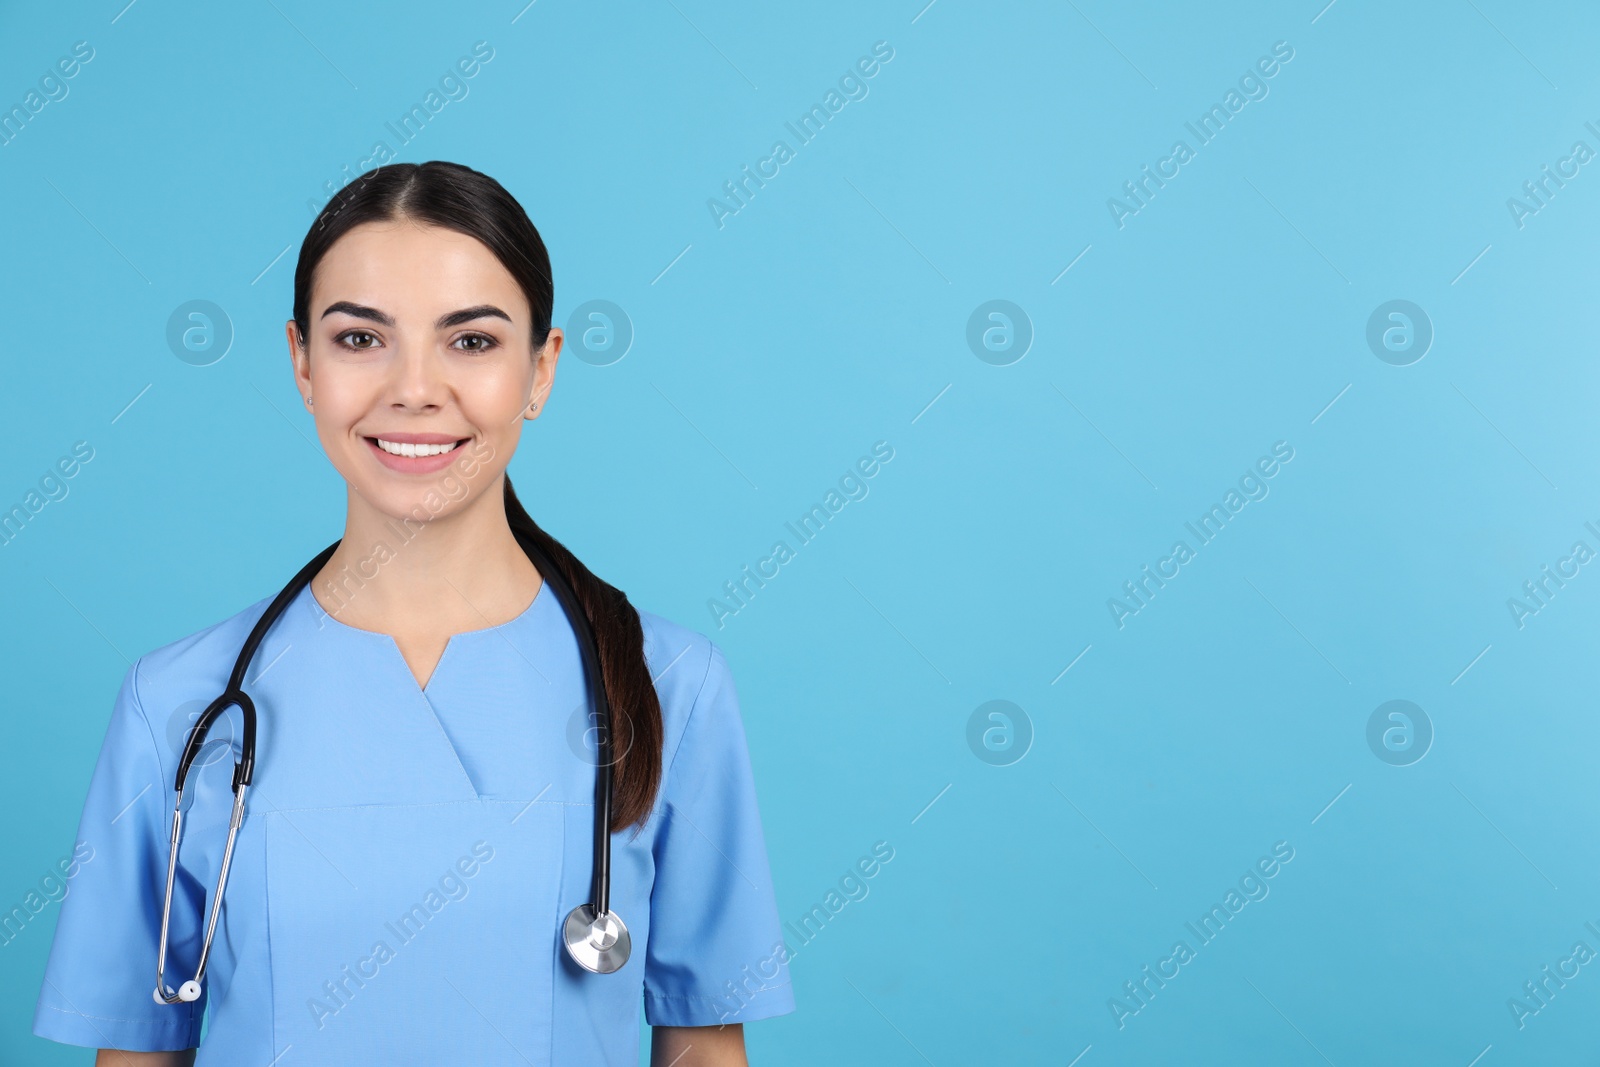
column 427, row 716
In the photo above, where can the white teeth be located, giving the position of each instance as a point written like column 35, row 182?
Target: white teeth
column 395, row 448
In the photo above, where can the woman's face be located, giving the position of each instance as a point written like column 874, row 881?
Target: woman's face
column 419, row 366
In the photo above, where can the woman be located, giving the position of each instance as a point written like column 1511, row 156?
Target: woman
column 419, row 822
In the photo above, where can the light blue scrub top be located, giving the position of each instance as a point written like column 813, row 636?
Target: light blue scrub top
column 408, row 856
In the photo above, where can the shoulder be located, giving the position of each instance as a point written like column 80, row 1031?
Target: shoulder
column 195, row 665
column 681, row 660
column 164, row 689
column 685, row 665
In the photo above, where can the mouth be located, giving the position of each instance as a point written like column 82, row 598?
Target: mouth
column 416, row 448
column 415, row 453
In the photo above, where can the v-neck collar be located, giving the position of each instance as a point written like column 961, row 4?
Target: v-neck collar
column 319, row 617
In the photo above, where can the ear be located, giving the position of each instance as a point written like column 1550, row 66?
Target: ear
column 544, row 373
column 300, row 361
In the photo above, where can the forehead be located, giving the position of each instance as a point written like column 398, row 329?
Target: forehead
column 410, row 269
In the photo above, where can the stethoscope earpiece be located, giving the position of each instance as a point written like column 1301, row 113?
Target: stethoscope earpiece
column 187, row 993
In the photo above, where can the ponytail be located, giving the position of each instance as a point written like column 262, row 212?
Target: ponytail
column 636, row 730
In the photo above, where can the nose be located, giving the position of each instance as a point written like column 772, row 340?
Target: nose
column 417, row 382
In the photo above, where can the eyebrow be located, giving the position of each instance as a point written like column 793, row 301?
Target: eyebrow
column 454, row 318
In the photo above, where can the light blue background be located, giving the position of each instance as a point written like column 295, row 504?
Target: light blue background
column 830, row 313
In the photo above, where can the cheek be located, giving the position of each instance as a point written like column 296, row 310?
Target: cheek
column 336, row 408
column 494, row 399
column 343, row 392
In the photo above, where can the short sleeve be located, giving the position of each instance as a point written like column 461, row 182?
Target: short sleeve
column 716, row 952
column 101, row 975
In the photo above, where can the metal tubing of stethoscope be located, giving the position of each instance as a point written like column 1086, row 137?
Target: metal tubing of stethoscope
column 601, row 887
column 166, row 907
column 234, row 823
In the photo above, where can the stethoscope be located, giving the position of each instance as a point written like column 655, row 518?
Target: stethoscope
column 595, row 936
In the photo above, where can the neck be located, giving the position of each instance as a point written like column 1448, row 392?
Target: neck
column 461, row 571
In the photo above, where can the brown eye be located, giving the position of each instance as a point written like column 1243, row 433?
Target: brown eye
column 485, row 342
column 341, row 339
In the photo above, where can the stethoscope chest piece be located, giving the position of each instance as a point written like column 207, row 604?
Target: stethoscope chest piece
column 597, row 943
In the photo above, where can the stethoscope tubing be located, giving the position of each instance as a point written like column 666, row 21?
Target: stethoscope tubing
column 600, row 881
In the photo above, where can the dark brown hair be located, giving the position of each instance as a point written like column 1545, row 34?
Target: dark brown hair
column 459, row 198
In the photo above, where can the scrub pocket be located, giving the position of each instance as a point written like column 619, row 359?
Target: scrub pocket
column 414, row 934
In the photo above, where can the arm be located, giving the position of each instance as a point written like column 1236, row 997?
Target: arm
column 96, row 989
column 715, row 957
column 110, row 1057
column 697, row 1046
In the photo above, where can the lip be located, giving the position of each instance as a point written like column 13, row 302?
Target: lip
column 419, row 438
column 415, row 464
